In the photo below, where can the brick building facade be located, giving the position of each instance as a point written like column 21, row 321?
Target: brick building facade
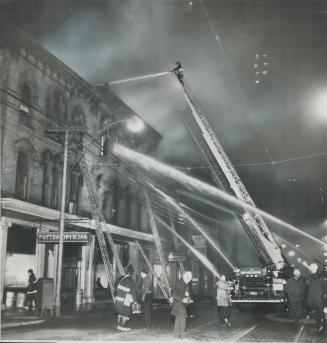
column 38, row 92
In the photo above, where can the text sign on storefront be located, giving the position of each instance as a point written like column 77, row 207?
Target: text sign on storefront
column 175, row 257
column 199, row 241
column 69, row 237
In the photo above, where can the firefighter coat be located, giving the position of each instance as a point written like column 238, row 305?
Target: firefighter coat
column 180, row 292
column 316, row 289
column 125, row 295
column 295, row 289
column 223, row 298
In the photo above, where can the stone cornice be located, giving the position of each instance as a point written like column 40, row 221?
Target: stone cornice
column 12, row 38
column 50, row 214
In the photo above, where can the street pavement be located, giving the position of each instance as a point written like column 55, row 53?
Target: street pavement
column 249, row 325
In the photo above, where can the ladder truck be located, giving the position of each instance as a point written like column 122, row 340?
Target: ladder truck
column 251, row 285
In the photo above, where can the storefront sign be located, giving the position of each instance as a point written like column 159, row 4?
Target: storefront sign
column 69, row 237
column 176, row 257
column 199, row 241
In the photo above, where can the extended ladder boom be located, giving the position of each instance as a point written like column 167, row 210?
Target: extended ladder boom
column 157, row 241
column 255, row 226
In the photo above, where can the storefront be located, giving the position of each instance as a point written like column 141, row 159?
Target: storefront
column 29, row 232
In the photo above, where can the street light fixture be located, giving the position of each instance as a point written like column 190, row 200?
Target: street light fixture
column 133, row 124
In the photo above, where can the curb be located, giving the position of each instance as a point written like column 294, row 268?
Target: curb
column 274, row 317
column 17, row 325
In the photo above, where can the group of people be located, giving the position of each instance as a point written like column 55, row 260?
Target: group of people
column 307, row 296
column 128, row 295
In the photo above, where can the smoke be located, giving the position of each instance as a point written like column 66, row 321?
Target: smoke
column 110, row 40
column 119, row 40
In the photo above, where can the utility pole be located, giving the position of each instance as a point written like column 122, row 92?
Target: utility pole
column 62, row 218
column 61, row 230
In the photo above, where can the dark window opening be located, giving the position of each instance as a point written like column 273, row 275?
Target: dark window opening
column 22, row 176
column 54, row 195
column 45, row 185
column 21, row 240
column 75, row 188
column 26, row 96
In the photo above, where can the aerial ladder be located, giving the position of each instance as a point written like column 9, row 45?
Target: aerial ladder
column 157, row 242
column 227, row 179
column 98, row 219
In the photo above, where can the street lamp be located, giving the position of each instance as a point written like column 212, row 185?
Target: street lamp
column 135, row 124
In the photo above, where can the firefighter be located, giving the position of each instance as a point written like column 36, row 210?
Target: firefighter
column 31, row 290
column 178, row 70
column 125, row 296
column 223, row 300
column 316, row 294
column 295, row 290
column 180, row 299
column 146, row 296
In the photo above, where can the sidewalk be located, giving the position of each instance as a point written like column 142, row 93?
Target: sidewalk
column 14, row 318
column 19, row 317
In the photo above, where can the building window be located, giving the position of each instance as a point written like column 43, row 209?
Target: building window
column 21, row 240
column 75, row 188
column 54, row 194
column 26, row 96
column 122, row 213
column 22, row 176
column 78, row 120
column 46, row 184
column 56, row 106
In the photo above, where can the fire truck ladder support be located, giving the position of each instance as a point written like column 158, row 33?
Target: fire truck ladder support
column 200, row 131
column 172, row 224
column 157, row 241
column 138, row 245
column 97, row 216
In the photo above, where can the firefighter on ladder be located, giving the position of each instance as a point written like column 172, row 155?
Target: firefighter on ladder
column 125, row 297
column 178, row 70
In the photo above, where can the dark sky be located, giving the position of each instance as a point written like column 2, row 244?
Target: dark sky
column 257, row 68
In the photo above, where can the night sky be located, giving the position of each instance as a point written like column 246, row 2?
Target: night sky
column 257, row 69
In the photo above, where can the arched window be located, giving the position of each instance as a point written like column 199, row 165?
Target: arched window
column 122, row 218
column 78, row 119
column 108, row 207
column 46, row 184
column 56, row 106
column 22, row 176
column 116, row 193
column 104, row 142
column 25, row 107
column 55, row 188
column 76, row 182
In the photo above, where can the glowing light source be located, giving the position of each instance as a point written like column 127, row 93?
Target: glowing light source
column 318, row 105
column 283, row 245
column 135, row 124
column 291, row 253
column 299, row 259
